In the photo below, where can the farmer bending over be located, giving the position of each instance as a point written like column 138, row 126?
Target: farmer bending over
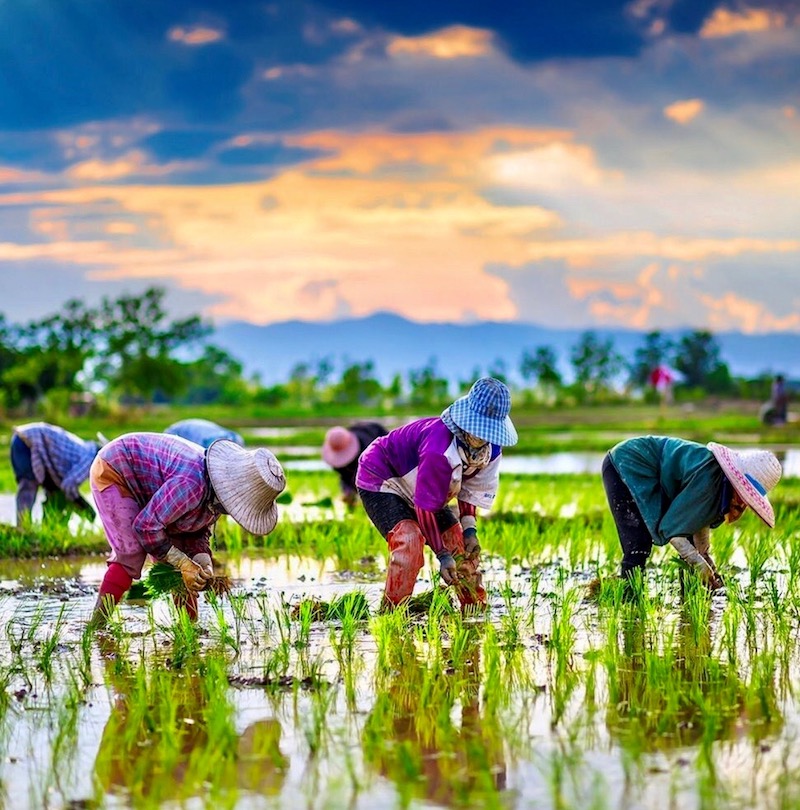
column 160, row 495
column 343, row 448
column 668, row 490
column 44, row 455
column 406, row 479
column 203, row 432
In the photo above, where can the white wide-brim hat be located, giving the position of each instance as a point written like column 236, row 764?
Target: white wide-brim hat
column 340, row 447
column 483, row 412
column 752, row 473
column 247, row 482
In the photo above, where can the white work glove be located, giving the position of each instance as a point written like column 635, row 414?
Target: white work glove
column 699, row 560
column 194, row 577
column 203, row 559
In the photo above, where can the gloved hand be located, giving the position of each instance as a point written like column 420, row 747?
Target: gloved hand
column 701, row 562
column 447, row 567
column 471, row 545
column 204, row 561
column 194, row 577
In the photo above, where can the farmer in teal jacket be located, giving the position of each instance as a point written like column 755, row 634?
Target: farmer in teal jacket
column 668, row 490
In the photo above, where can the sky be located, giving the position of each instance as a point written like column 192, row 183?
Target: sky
column 571, row 164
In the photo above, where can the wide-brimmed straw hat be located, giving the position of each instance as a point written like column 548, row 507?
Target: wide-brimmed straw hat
column 247, row 482
column 752, row 473
column 483, row 412
column 340, row 447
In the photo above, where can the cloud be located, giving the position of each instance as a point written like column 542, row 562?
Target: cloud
column 194, row 35
column 453, row 42
column 725, row 23
column 730, row 311
column 682, row 112
column 551, row 167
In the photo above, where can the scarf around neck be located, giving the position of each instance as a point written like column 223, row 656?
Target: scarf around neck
column 472, row 458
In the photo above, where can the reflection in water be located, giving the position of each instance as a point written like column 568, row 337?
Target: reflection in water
column 412, row 738
column 683, row 695
column 171, row 737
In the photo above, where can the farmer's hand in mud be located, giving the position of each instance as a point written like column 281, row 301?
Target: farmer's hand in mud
column 204, row 561
column 447, row 567
column 194, row 577
column 472, row 547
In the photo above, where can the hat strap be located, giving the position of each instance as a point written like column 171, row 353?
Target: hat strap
column 756, row 484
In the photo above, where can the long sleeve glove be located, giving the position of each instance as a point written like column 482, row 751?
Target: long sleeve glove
column 447, row 567
column 194, row 577
column 700, row 561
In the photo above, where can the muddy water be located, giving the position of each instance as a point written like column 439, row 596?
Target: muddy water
column 558, row 734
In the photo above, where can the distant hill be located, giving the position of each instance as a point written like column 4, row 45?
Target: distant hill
column 396, row 345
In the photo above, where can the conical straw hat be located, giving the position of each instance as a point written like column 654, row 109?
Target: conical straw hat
column 247, row 482
column 752, row 474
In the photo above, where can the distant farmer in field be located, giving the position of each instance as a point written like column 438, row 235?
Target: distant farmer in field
column 407, row 478
column 160, row 495
column 44, row 455
column 342, row 449
column 775, row 412
column 668, row 490
column 203, row 432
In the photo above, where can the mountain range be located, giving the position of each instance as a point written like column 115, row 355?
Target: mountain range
column 396, row 345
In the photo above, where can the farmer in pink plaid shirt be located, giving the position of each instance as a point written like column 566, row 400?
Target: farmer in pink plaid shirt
column 160, row 495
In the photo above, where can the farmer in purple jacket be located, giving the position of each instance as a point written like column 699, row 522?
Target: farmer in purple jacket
column 407, row 478
column 160, row 495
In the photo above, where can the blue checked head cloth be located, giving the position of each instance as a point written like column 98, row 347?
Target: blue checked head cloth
column 484, row 412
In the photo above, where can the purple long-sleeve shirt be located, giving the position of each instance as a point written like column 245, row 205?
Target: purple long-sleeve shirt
column 420, row 463
column 166, row 475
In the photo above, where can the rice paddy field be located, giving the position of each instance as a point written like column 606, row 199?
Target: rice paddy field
column 293, row 691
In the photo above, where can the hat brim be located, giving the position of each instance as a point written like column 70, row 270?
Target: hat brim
column 344, row 456
column 729, row 461
column 247, row 482
column 497, row 431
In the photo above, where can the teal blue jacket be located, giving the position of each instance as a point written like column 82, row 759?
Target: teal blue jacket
column 677, row 484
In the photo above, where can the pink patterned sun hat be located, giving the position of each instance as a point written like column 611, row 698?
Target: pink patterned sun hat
column 753, row 473
column 340, row 447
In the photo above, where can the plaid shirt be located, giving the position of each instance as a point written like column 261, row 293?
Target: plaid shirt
column 167, row 477
column 58, row 454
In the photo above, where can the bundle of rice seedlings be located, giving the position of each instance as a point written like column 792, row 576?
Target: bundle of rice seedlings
column 163, row 578
column 354, row 604
column 422, row 602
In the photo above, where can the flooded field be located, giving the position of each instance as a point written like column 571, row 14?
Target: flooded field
column 552, row 699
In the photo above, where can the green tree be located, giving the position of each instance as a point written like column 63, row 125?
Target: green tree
column 540, row 367
column 595, row 362
column 215, row 376
column 427, row 386
column 698, row 359
column 52, row 353
column 139, row 342
column 358, row 384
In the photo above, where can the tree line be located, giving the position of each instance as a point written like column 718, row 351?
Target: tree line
column 128, row 348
